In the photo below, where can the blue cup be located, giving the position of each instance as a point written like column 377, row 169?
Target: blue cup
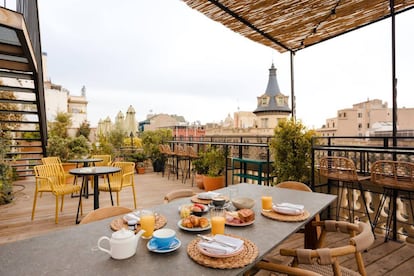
column 163, row 237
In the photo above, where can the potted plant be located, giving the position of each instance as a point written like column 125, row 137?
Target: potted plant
column 200, row 169
column 151, row 139
column 138, row 158
column 213, row 160
column 291, row 147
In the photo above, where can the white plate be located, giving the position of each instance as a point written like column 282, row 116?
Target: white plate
column 194, row 229
column 207, row 195
column 239, row 224
column 153, row 249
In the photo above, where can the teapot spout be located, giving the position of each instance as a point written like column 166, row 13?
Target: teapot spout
column 139, row 234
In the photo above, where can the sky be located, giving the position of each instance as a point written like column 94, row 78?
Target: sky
column 160, row 56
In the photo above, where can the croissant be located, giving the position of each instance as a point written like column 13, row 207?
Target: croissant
column 195, row 220
column 203, row 222
column 187, row 223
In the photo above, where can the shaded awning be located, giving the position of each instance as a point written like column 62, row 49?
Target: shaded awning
column 291, row 25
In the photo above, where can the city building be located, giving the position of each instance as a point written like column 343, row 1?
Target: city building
column 368, row 118
column 59, row 99
column 272, row 106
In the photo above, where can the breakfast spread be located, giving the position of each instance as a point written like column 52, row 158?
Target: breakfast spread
column 194, row 222
column 241, row 216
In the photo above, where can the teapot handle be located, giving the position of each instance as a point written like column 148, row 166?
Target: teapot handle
column 101, row 248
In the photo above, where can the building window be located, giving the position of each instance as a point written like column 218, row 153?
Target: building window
column 265, row 101
column 333, row 124
column 359, row 126
column 359, row 115
column 344, row 114
column 264, row 122
column 280, row 101
column 368, row 125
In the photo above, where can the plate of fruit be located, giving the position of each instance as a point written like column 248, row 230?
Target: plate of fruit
column 192, row 209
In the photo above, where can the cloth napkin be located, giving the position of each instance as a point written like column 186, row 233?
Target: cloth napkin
column 219, row 249
column 132, row 216
column 289, row 208
column 207, row 195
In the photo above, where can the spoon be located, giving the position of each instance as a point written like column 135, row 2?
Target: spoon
column 211, row 239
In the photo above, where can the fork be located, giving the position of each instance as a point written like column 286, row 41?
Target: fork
column 210, row 239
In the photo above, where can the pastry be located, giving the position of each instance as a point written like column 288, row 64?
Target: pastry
column 246, row 215
column 203, row 222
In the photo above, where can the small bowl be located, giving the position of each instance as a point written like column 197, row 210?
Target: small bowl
column 243, row 203
column 218, row 201
column 199, row 214
column 163, row 237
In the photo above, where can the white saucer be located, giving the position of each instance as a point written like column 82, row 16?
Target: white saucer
column 152, row 247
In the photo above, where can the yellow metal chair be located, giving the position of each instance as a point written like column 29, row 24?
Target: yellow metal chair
column 49, row 179
column 120, row 180
column 106, row 160
column 56, row 160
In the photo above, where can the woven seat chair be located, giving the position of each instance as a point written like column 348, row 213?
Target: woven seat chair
column 325, row 260
column 105, row 212
column 343, row 170
column 179, row 193
column 397, row 180
column 120, row 180
column 49, row 179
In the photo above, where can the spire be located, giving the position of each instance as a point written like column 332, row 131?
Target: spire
column 272, row 101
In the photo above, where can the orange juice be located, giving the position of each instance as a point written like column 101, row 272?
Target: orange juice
column 266, row 203
column 217, row 225
column 147, row 221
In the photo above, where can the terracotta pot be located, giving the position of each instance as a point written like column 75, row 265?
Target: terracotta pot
column 199, row 181
column 140, row 170
column 213, row 183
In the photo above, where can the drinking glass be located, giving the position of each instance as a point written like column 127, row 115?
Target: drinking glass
column 147, row 221
column 266, row 202
column 218, row 220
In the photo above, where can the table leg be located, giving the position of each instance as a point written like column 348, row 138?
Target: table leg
column 95, row 192
column 110, row 191
column 80, row 198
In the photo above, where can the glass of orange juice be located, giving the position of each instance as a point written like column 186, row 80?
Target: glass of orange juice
column 147, row 221
column 266, row 202
column 218, row 220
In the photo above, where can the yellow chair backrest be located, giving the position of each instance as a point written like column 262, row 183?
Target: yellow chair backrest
column 106, row 159
column 51, row 160
column 48, row 177
column 125, row 177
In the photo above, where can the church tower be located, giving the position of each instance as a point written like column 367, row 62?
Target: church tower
column 272, row 106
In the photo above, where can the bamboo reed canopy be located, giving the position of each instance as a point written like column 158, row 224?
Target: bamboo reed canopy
column 291, row 25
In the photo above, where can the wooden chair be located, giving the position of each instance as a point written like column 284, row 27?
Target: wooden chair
column 325, row 260
column 49, row 179
column 121, row 180
column 178, row 194
column 343, row 171
column 396, row 179
column 310, row 232
column 105, row 212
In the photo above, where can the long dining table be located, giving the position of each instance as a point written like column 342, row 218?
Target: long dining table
column 74, row 250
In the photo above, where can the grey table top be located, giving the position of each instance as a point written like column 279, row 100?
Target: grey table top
column 73, row 250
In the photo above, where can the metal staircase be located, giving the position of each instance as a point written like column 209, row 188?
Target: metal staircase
column 22, row 105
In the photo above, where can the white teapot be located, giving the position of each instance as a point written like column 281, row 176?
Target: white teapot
column 123, row 243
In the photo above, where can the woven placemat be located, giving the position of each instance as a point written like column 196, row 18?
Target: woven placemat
column 118, row 223
column 281, row 217
column 247, row 255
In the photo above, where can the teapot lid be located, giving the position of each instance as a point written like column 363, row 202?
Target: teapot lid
column 122, row 234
